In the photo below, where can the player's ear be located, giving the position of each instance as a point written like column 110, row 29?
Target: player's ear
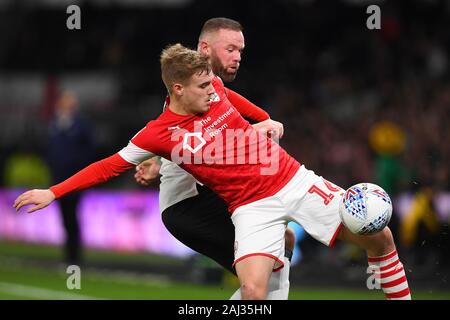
column 203, row 47
column 178, row 89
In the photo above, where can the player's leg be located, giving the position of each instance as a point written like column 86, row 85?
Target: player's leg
column 377, row 244
column 315, row 202
column 203, row 224
column 197, row 222
column 279, row 281
column 279, row 284
column 289, row 239
column 384, row 261
column 259, row 246
column 254, row 273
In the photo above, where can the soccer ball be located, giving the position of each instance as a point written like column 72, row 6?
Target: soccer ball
column 365, row 208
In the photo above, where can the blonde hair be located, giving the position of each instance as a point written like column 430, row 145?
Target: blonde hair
column 179, row 63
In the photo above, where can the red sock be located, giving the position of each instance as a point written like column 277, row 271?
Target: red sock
column 391, row 274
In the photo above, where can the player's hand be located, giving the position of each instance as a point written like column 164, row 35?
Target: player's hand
column 147, row 171
column 274, row 129
column 39, row 197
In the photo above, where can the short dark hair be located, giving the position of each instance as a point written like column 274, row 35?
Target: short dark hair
column 215, row 24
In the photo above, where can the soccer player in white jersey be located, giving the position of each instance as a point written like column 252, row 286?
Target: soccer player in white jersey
column 263, row 185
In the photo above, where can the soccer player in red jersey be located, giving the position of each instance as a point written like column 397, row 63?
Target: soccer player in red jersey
column 192, row 212
column 262, row 184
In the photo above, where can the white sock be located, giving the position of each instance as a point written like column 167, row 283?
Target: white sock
column 236, row 295
column 391, row 276
column 278, row 284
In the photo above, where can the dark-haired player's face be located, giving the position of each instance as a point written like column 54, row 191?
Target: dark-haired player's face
column 225, row 55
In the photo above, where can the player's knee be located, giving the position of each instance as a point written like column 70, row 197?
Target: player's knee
column 252, row 291
column 386, row 239
column 382, row 242
column 289, row 238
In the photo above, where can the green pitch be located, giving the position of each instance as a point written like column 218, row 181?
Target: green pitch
column 20, row 279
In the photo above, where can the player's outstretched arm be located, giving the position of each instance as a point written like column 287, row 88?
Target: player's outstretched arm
column 94, row 174
column 39, row 197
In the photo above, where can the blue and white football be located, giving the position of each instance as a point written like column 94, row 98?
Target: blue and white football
column 365, row 208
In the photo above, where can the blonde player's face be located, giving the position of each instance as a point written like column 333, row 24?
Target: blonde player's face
column 225, row 55
column 198, row 92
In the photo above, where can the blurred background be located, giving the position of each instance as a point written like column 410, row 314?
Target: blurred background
column 358, row 105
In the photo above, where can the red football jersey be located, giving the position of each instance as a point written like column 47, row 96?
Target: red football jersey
column 219, row 148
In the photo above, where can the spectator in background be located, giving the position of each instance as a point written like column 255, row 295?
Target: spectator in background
column 69, row 150
column 387, row 139
column 419, row 229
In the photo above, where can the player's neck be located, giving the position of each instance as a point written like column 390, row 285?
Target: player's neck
column 178, row 108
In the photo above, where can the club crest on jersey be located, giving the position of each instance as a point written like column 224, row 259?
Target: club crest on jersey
column 186, row 141
column 215, row 97
column 211, row 142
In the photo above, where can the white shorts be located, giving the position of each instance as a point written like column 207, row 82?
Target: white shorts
column 307, row 199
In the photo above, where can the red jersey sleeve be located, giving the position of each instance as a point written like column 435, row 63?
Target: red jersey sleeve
column 96, row 173
column 245, row 107
column 103, row 170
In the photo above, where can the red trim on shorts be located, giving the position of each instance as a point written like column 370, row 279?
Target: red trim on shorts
column 261, row 254
column 335, row 235
column 382, row 258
